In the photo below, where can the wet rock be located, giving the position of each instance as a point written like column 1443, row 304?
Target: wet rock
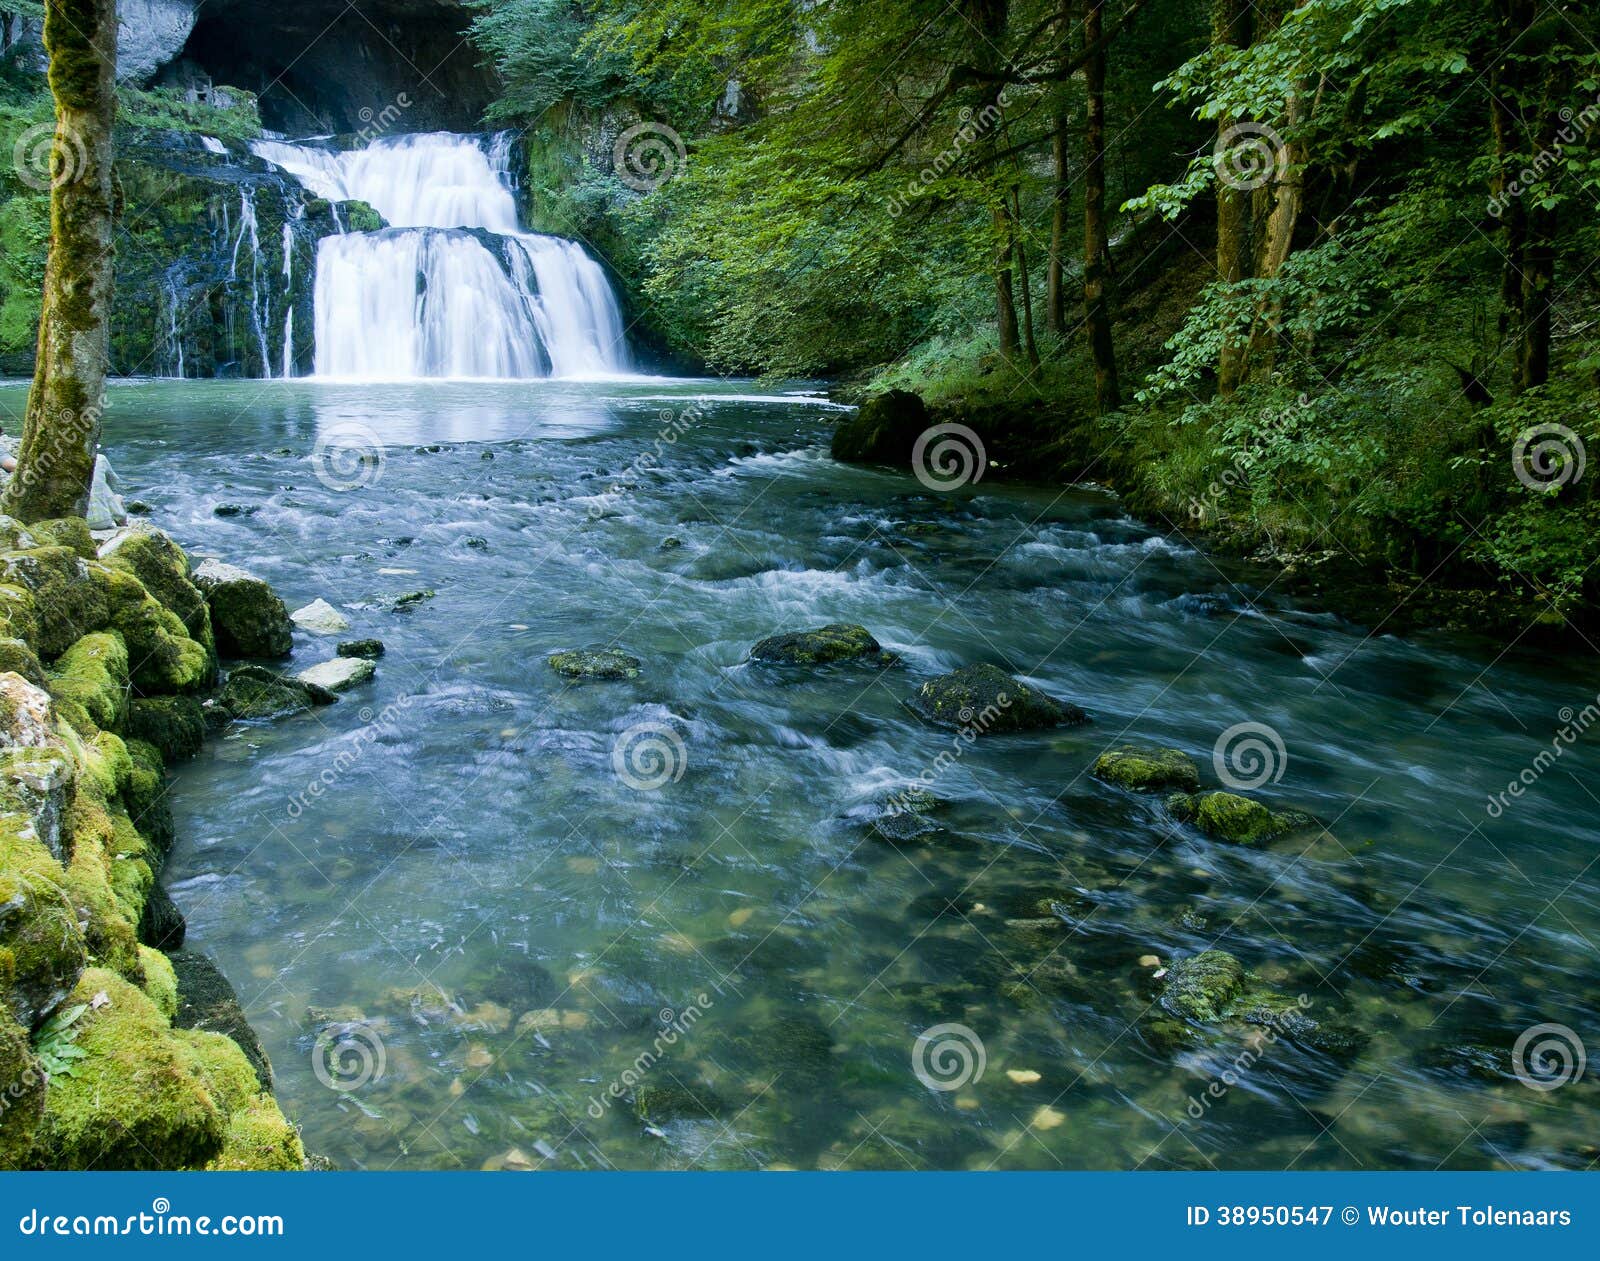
column 1213, row 987
column 320, row 618
column 138, row 508
column 1488, row 1065
column 595, row 663
column 371, row 649
column 161, row 923
column 206, row 1001
column 1147, row 769
column 985, row 700
column 476, row 542
column 248, row 618
column 657, row 1103
column 256, row 693
column 1229, row 817
column 838, row 641
column 883, row 431
column 408, row 600
column 176, row 725
column 670, row 544
column 339, row 675
column 234, row 510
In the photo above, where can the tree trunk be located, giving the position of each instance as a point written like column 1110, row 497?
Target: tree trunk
column 1286, row 197
column 1060, row 198
column 1096, row 244
column 1028, row 341
column 61, row 430
column 1231, row 29
column 1005, row 301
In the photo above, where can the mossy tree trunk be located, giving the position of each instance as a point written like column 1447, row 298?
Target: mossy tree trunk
column 61, row 431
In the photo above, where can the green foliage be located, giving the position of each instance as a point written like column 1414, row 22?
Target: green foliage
column 55, row 1042
column 165, row 109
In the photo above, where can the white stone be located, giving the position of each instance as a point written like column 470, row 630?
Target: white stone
column 320, row 618
column 338, row 675
column 213, row 573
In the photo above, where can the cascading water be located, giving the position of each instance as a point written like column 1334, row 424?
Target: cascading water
column 452, row 287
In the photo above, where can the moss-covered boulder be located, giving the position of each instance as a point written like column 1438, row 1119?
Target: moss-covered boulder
column 160, row 981
column 145, row 795
column 1229, row 817
column 1202, row 987
column 16, row 657
column 247, row 617
column 883, row 430
column 174, row 725
column 1146, row 768
column 595, row 663
column 370, row 649
column 208, row 1003
column 90, row 681
column 42, row 949
column 255, row 693
column 138, row 1098
column 161, row 655
column 162, row 566
column 1213, row 988
column 838, row 641
column 259, row 1138
column 22, row 1091
column 985, row 700
column 18, row 617
column 14, row 536
column 72, row 532
column 67, row 601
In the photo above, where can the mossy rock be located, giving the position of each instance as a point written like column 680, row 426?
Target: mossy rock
column 70, row 532
column 42, row 950
column 90, row 679
column 256, row 693
column 174, row 725
column 160, row 981
column 145, row 795
column 359, row 216
column 22, row 1090
column 36, row 783
column 838, row 641
column 16, row 657
column 247, row 617
column 67, row 600
column 207, row 1002
column 368, row 649
column 986, row 700
column 595, row 663
column 162, row 566
column 1146, row 768
column 138, row 1099
column 19, row 619
column 1213, row 987
column 1202, row 987
column 659, row 1102
column 14, row 536
column 109, row 924
column 161, row 655
column 884, row 429
column 259, row 1138
column 1229, row 817
column 161, row 924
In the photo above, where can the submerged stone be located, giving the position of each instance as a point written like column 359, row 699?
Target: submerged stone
column 656, row 1103
column 1229, row 817
column 838, row 641
column 248, row 618
column 1213, row 987
column 985, row 699
column 595, row 663
column 1147, row 769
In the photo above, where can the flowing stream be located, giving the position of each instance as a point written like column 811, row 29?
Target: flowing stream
column 447, row 872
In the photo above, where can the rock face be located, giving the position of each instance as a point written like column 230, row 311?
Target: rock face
column 339, row 675
column 150, row 33
column 838, row 641
column 595, row 663
column 986, row 700
column 247, row 616
column 320, row 618
column 883, row 430
column 1148, row 769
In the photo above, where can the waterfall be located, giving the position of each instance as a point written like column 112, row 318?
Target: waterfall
column 259, row 297
column 452, row 287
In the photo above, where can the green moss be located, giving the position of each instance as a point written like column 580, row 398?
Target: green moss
column 1230, row 817
column 259, row 1138
column 594, row 663
column 361, row 217
column 162, row 656
column 838, row 641
column 160, row 982
column 164, row 570
column 1147, row 769
column 42, row 949
column 17, row 658
column 70, row 532
column 1202, row 987
column 145, row 796
column 22, row 1092
column 68, row 602
column 110, row 932
column 91, row 679
column 18, row 617
column 139, row 1099
column 175, row 725
column 227, row 1073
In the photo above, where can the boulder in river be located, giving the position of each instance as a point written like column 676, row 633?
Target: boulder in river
column 246, row 615
column 985, row 699
column 207, row 1001
column 595, row 663
column 837, row 641
column 1227, row 816
column 883, row 431
column 371, row 649
column 320, row 618
column 1146, row 768
column 338, row 675
column 254, row 692
column 1213, row 987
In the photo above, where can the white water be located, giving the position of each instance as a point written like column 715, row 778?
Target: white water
column 452, row 287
